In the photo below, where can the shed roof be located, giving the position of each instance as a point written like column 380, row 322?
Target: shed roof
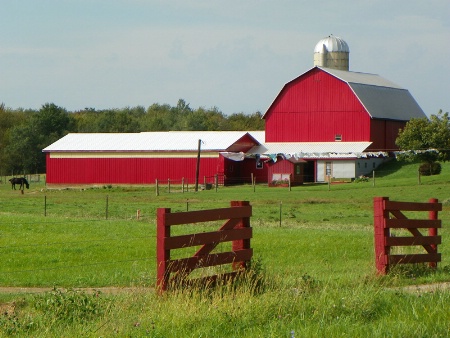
column 381, row 98
column 157, row 141
column 312, row 150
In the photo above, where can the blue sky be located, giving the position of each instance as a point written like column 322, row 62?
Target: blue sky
column 233, row 55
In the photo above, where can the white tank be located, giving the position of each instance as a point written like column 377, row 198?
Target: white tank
column 332, row 52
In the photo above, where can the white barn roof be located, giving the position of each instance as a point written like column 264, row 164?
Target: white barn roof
column 150, row 141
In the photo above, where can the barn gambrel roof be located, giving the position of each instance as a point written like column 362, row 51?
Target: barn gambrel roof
column 168, row 141
column 381, row 98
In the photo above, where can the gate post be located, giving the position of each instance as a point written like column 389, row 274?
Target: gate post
column 242, row 243
column 381, row 233
column 433, row 215
column 162, row 255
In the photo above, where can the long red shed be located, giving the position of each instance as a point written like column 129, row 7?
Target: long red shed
column 141, row 158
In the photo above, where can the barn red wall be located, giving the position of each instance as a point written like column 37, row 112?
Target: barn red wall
column 241, row 172
column 249, row 167
column 128, row 170
column 280, row 167
column 384, row 133
column 314, row 108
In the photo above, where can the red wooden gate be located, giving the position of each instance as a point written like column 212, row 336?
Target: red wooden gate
column 388, row 215
column 236, row 230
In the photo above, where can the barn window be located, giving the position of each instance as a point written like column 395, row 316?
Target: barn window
column 338, row 137
column 259, row 163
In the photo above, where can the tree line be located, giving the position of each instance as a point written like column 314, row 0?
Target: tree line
column 25, row 132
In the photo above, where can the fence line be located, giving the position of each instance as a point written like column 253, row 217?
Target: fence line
column 73, row 242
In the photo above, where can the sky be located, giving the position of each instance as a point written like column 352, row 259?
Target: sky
column 232, row 55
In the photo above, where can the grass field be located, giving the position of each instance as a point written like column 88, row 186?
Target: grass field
column 313, row 247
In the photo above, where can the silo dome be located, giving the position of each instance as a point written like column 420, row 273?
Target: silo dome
column 332, row 44
column 332, row 52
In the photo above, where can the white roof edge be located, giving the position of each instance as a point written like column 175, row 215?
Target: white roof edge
column 150, row 141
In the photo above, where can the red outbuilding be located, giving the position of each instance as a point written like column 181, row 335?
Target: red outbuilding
column 142, row 158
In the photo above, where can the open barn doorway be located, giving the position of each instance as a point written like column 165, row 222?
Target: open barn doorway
column 308, row 174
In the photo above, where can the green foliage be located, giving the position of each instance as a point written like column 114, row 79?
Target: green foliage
column 23, row 134
column 70, row 306
column 23, row 150
column 12, row 323
column 361, row 179
column 427, row 169
column 426, row 140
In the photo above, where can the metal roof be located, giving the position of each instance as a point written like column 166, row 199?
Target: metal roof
column 312, row 150
column 382, row 98
column 332, row 44
column 361, row 78
column 150, row 141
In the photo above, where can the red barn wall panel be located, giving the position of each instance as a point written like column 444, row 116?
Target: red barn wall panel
column 384, row 133
column 392, row 130
column 249, row 168
column 127, row 170
column 378, row 135
column 315, row 108
column 281, row 167
column 286, row 167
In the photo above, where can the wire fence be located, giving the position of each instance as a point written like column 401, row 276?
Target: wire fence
column 35, row 248
column 76, row 252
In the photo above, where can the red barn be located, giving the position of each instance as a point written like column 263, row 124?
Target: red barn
column 329, row 105
column 342, row 123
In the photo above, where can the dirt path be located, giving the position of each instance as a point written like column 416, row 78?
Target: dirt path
column 115, row 290
column 425, row 287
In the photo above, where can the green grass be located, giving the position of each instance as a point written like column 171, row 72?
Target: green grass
column 318, row 263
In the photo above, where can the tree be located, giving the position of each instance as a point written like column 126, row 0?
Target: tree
column 241, row 121
column 26, row 140
column 9, row 121
column 426, row 140
column 25, row 155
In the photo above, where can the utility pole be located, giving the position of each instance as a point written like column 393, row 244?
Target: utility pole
column 197, row 170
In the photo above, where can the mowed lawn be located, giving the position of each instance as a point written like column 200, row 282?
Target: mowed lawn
column 313, row 245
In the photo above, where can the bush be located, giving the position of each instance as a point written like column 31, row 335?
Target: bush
column 71, row 305
column 428, row 169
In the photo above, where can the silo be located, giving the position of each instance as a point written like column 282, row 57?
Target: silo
column 332, row 52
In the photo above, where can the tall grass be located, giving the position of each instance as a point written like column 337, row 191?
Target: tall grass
column 315, row 271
